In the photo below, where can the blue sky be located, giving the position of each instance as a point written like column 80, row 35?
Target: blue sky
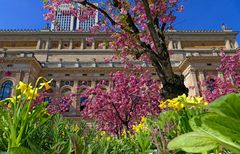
column 198, row 14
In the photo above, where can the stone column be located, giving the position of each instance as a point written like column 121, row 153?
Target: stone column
column 179, row 46
column 195, row 83
column 202, row 79
column 26, row 77
column 73, row 109
column 59, row 44
column 83, row 41
column 170, row 45
column 38, row 44
column 58, row 85
column 71, row 44
column 236, row 44
column 47, row 46
column 228, row 46
column 220, row 75
column 18, row 77
column 94, row 44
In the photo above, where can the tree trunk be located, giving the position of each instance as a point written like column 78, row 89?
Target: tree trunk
column 173, row 84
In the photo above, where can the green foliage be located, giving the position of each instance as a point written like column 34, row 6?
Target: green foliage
column 19, row 118
column 20, row 150
column 220, row 126
column 27, row 129
column 61, row 135
column 174, row 121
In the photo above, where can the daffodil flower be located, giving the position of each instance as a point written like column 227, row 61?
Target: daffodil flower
column 22, row 86
column 180, row 102
column 162, row 105
column 32, row 94
column 10, row 105
column 46, row 85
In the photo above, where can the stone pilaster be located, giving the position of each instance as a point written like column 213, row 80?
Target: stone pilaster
column 170, row 45
column 228, row 46
column 83, row 43
column 195, row 91
column 73, row 109
column 220, row 75
column 38, row 44
column 179, row 45
column 58, row 85
column 59, row 44
column 236, row 44
column 47, row 46
column 71, row 44
column 94, row 44
column 202, row 79
column 26, row 77
column 18, row 77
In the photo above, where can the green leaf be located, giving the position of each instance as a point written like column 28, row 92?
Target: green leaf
column 195, row 142
column 227, row 105
column 226, row 131
column 34, row 147
column 78, row 143
column 67, row 148
column 20, row 150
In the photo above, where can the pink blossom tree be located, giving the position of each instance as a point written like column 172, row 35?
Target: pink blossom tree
column 55, row 104
column 137, row 29
column 130, row 97
column 230, row 83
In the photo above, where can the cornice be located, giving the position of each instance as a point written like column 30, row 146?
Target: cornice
column 198, row 59
column 23, row 60
column 52, row 34
column 72, row 34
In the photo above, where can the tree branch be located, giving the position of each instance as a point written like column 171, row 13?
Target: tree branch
column 151, row 27
column 118, row 114
column 113, row 22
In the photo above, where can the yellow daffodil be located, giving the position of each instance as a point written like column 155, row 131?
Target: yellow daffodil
column 75, row 128
column 124, row 133
column 163, row 105
column 22, row 86
column 103, row 133
column 10, row 105
column 182, row 101
column 32, row 94
column 141, row 126
column 46, row 85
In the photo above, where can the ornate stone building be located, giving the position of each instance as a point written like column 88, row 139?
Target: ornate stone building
column 69, row 58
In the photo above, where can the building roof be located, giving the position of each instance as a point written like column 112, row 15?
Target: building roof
column 168, row 31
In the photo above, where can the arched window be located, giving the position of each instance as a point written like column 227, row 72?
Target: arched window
column 47, row 99
column 211, row 84
column 66, row 92
column 6, row 89
column 83, row 101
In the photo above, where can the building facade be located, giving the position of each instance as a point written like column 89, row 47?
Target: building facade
column 70, row 59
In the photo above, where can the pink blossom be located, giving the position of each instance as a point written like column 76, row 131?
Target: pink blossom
column 130, row 97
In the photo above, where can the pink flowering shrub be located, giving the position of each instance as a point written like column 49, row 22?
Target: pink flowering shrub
column 130, row 97
column 215, row 86
column 55, row 104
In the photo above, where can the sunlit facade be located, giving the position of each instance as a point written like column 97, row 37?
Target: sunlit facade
column 72, row 61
